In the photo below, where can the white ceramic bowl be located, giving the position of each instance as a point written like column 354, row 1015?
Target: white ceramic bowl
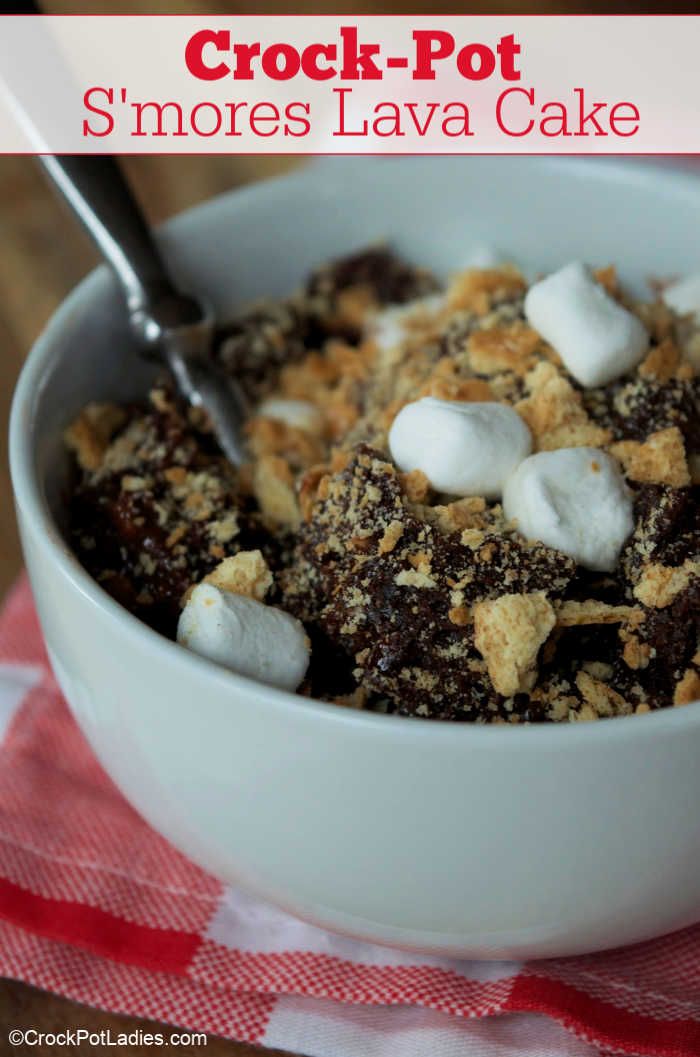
column 489, row 842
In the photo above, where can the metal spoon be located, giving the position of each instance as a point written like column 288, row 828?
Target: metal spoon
column 174, row 326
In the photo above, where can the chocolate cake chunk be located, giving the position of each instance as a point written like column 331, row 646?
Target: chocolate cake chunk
column 395, row 585
column 156, row 506
column 387, row 278
column 637, row 408
column 260, row 340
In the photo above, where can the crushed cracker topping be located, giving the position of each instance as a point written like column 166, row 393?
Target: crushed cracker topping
column 417, row 603
column 509, row 632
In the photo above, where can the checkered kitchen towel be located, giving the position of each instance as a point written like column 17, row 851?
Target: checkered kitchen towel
column 96, row 906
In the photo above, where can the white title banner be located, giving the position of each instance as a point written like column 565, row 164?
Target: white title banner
column 349, row 84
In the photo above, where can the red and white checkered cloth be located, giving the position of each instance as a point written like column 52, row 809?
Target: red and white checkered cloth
column 96, row 906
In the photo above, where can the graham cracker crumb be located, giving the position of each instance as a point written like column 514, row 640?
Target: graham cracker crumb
column 688, row 688
column 600, row 697
column 175, row 475
column 273, row 486
column 462, row 514
column 477, row 289
column 89, row 435
column 661, row 362
column 660, row 584
column 508, row 634
column 446, row 384
column 459, row 615
column 132, row 483
column 413, row 578
column 272, row 436
column 416, row 486
column 309, row 488
column 607, row 277
column 660, row 459
column 246, row 573
column 357, row 699
column 472, row 538
column 575, row 614
column 497, row 349
column 636, row 654
column 392, row 535
column 224, row 529
column 554, row 412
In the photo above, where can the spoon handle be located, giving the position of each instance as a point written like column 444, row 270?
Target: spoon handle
column 96, row 190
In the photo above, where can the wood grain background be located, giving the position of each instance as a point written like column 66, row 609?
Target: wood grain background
column 43, row 255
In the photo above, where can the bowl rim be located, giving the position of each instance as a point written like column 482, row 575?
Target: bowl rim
column 30, row 500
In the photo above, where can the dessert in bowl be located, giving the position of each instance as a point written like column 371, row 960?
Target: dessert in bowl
column 422, row 595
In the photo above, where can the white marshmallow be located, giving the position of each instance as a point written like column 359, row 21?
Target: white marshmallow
column 684, row 296
column 462, row 448
column 597, row 339
column 389, row 327
column 575, row 500
column 301, row 414
column 246, row 636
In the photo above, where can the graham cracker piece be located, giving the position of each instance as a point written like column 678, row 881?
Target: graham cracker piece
column 660, row 584
column 246, row 573
column 508, row 348
column 414, row 578
column 688, row 688
column 476, row 289
column 660, row 459
column 88, row 436
column 309, row 486
column 601, row 698
column 392, row 534
column 462, row 514
column 445, row 383
column 331, row 380
column 608, row 279
column 273, row 486
column 555, row 414
column 272, row 436
column 636, row 654
column 357, row 699
column 416, row 486
column 661, row 362
column 509, row 631
column 575, row 614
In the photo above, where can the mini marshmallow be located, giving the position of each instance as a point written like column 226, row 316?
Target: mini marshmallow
column 246, row 636
column 575, row 500
column 462, row 448
column 300, row 414
column 597, row 339
column 684, row 296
